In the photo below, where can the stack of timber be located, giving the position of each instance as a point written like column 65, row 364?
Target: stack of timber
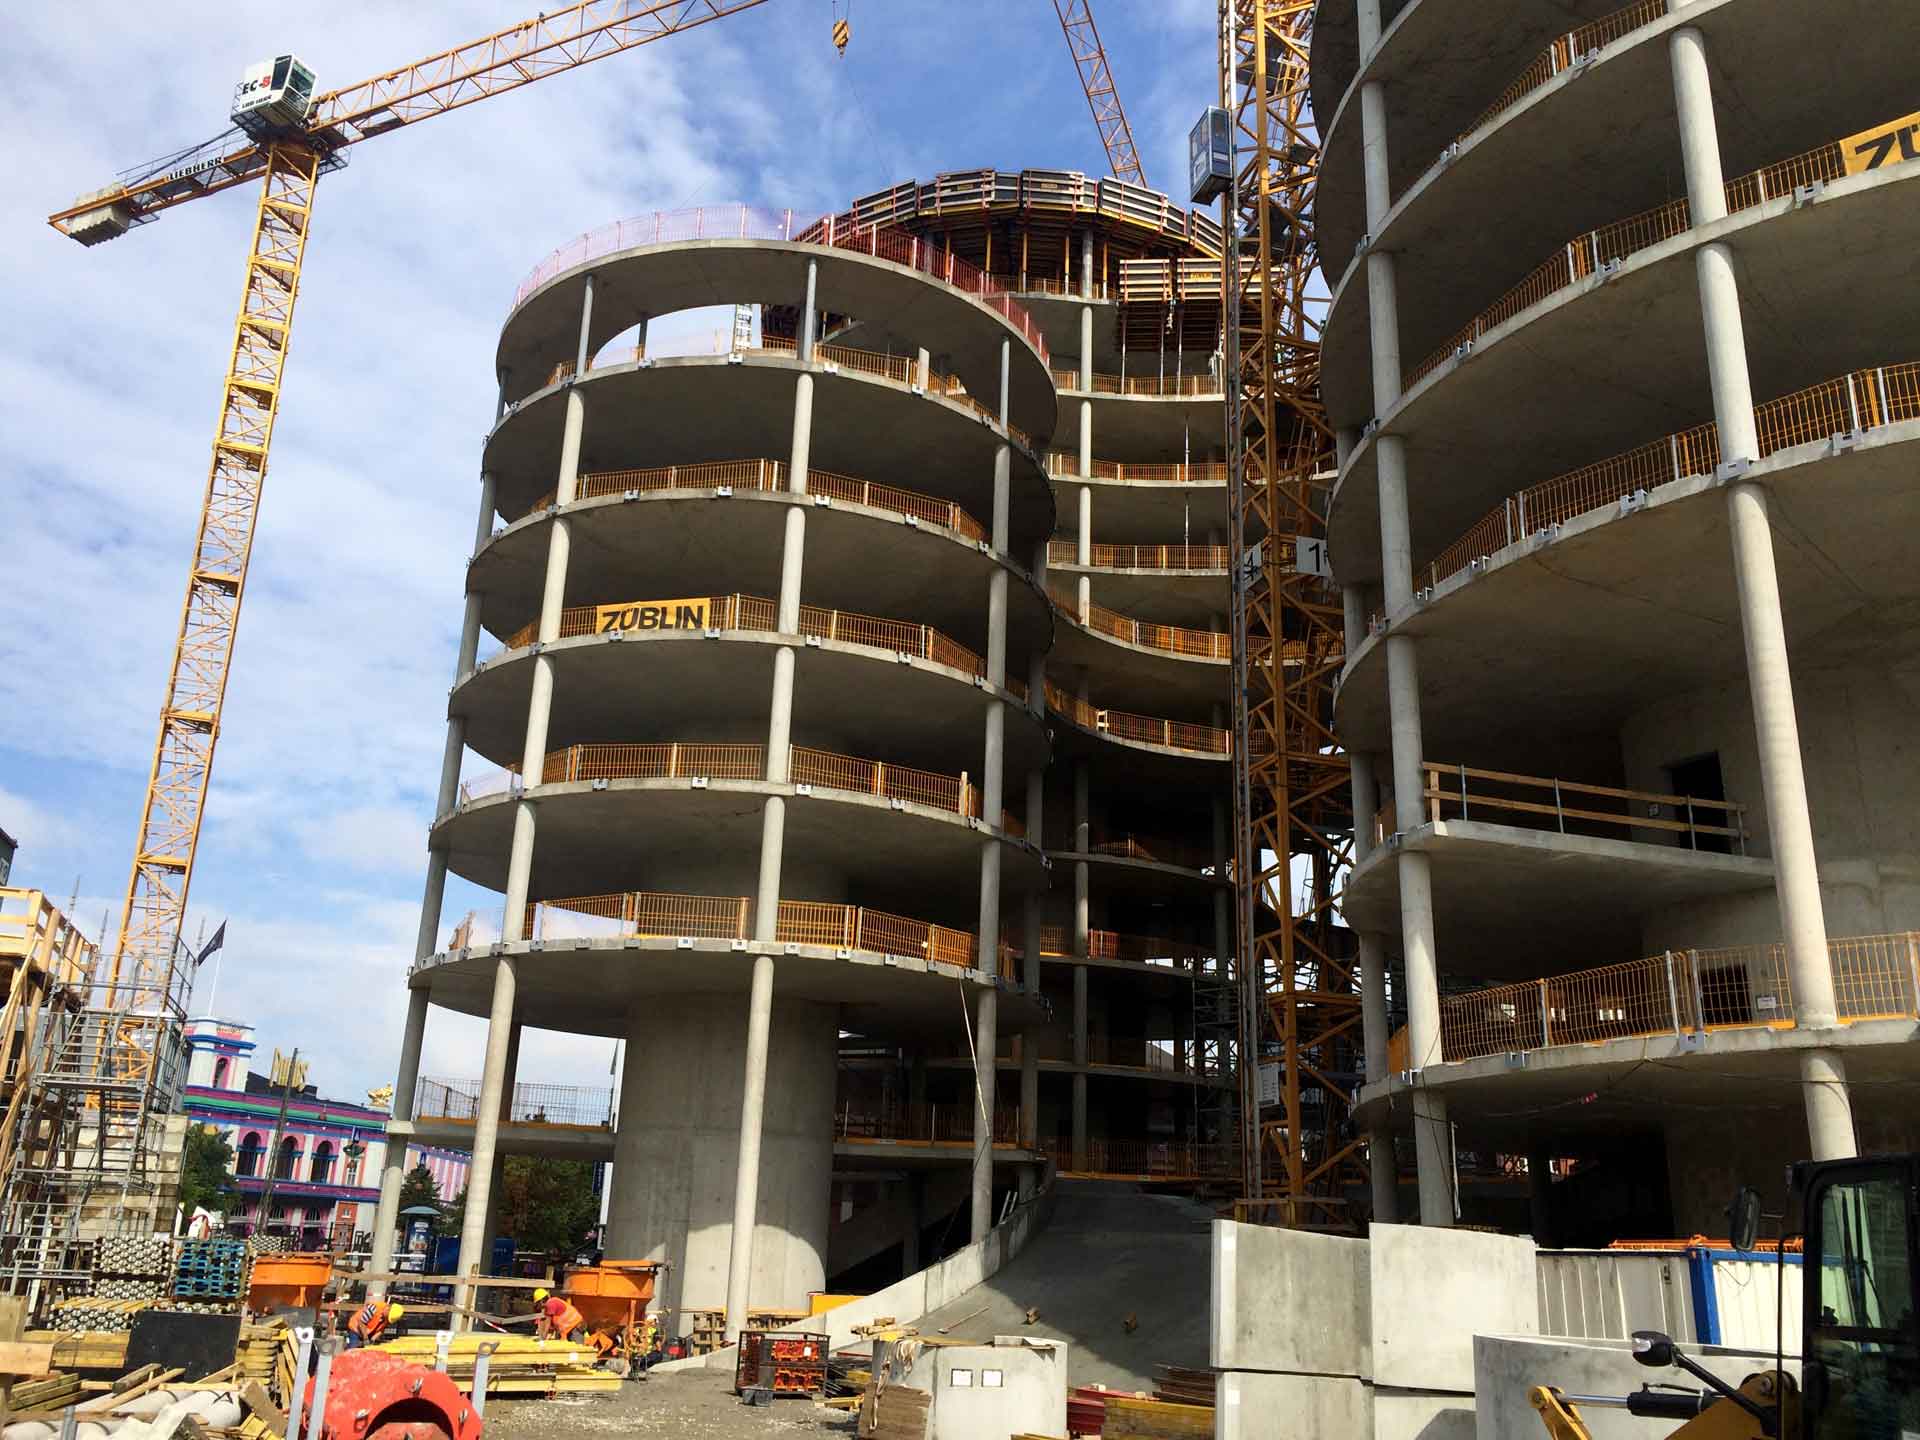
column 89, row 1350
column 1135, row 1417
column 1183, row 1386
column 266, row 1355
column 707, row 1328
column 56, row 1392
column 894, row 1412
column 521, row 1365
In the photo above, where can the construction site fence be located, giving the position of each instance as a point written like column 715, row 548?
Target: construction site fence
column 1576, row 47
column 1148, row 729
column 674, row 760
column 1148, row 1160
column 964, row 194
column 1461, row 792
column 1140, row 557
column 713, row 917
column 1851, row 405
column 746, row 222
column 926, row 1124
column 771, row 476
column 1597, row 251
column 1063, row 465
column 1175, row 639
column 573, row 1105
column 1678, row 992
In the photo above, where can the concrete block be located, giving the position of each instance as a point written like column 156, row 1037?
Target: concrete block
column 1423, row 1415
column 1300, row 1407
column 1286, row 1300
column 1506, row 1367
column 1433, row 1290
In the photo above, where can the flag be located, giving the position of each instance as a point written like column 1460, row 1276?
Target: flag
column 219, row 939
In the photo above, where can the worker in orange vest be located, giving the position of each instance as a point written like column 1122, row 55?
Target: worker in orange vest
column 371, row 1322
column 558, row 1319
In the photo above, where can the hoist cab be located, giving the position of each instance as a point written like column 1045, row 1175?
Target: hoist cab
column 273, row 99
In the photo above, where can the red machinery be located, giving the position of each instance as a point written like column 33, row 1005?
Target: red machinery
column 371, row 1395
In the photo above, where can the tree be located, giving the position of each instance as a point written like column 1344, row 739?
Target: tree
column 545, row 1205
column 418, row 1188
column 206, row 1170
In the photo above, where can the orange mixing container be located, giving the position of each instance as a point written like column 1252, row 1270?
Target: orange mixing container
column 612, row 1294
column 289, row 1281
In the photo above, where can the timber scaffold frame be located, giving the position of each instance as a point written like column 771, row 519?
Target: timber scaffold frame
column 1300, row 997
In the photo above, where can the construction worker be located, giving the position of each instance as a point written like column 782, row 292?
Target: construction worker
column 370, row 1322
column 558, row 1319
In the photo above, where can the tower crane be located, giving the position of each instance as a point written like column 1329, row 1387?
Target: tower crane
column 286, row 137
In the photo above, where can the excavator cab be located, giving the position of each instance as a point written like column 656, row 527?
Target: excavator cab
column 1860, row 1377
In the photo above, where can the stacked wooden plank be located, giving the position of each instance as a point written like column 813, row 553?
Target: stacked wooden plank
column 1184, row 1386
column 266, row 1354
column 56, row 1392
column 90, row 1350
column 1131, row 1417
column 895, row 1412
column 521, row 1365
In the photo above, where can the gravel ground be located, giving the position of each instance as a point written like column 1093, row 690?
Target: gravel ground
column 696, row 1404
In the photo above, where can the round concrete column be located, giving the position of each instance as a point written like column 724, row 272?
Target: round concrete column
column 676, row 1153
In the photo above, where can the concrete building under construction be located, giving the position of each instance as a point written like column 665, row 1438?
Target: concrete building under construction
column 860, row 720
column 1623, row 526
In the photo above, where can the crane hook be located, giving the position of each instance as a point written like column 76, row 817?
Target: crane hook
column 842, row 28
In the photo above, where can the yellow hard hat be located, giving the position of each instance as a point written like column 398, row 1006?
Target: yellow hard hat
column 394, row 1312
column 540, row 1294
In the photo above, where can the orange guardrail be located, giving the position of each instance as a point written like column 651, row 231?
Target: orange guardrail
column 1541, row 802
column 771, row 476
column 761, row 615
column 1156, row 849
column 1161, row 385
column 1592, row 252
column 958, row 795
column 730, row 917
column 1149, row 730
column 1141, row 557
column 1865, row 400
column 920, row 1124
column 1148, row 1160
column 1057, row 941
column 743, row 222
column 1567, row 50
column 1875, row 977
column 1064, row 466
column 1176, row 639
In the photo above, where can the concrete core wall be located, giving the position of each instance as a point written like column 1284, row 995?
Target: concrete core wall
column 678, row 1145
column 1863, row 787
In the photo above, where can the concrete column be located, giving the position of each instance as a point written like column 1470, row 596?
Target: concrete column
column 1433, row 1158
column 1374, row 1027
column 985, row 1079
column 486, row 1129
column 393, row 1166
column 1030, row 970
column 1080, row 1058
column 753, row 1091
column 746, row 1188
column 1803, row 923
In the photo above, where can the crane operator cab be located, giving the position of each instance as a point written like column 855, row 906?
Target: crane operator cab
column 274, row 98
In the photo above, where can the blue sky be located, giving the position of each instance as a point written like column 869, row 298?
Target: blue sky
column 110, row 364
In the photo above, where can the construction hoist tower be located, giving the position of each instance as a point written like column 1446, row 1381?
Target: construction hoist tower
column 84, row 1129
column 1299, row 991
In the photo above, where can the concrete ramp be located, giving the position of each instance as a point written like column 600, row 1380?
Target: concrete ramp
column 1110, row 1251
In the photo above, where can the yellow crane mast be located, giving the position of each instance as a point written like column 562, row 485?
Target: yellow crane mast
column 286, row 137
column 1292, row 800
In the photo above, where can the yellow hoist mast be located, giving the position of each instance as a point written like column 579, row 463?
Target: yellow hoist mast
column 1300, row 998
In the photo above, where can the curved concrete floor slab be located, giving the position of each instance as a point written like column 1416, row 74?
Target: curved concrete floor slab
column 650, row 280
column 850, row 697
column 691, row 410
column 1609, row 365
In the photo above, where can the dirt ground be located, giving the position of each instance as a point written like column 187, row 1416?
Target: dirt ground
column 696, row 1404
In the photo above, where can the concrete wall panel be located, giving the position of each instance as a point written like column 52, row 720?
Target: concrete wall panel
column 1422, row 1415
column 1434, row 1290
column 1300, row 1407
column 1260, row 1318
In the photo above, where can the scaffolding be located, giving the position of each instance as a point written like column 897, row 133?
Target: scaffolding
column 93, row 1066
column 1300, row 1000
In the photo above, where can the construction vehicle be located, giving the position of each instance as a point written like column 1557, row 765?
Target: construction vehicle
column 1860, row 1351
